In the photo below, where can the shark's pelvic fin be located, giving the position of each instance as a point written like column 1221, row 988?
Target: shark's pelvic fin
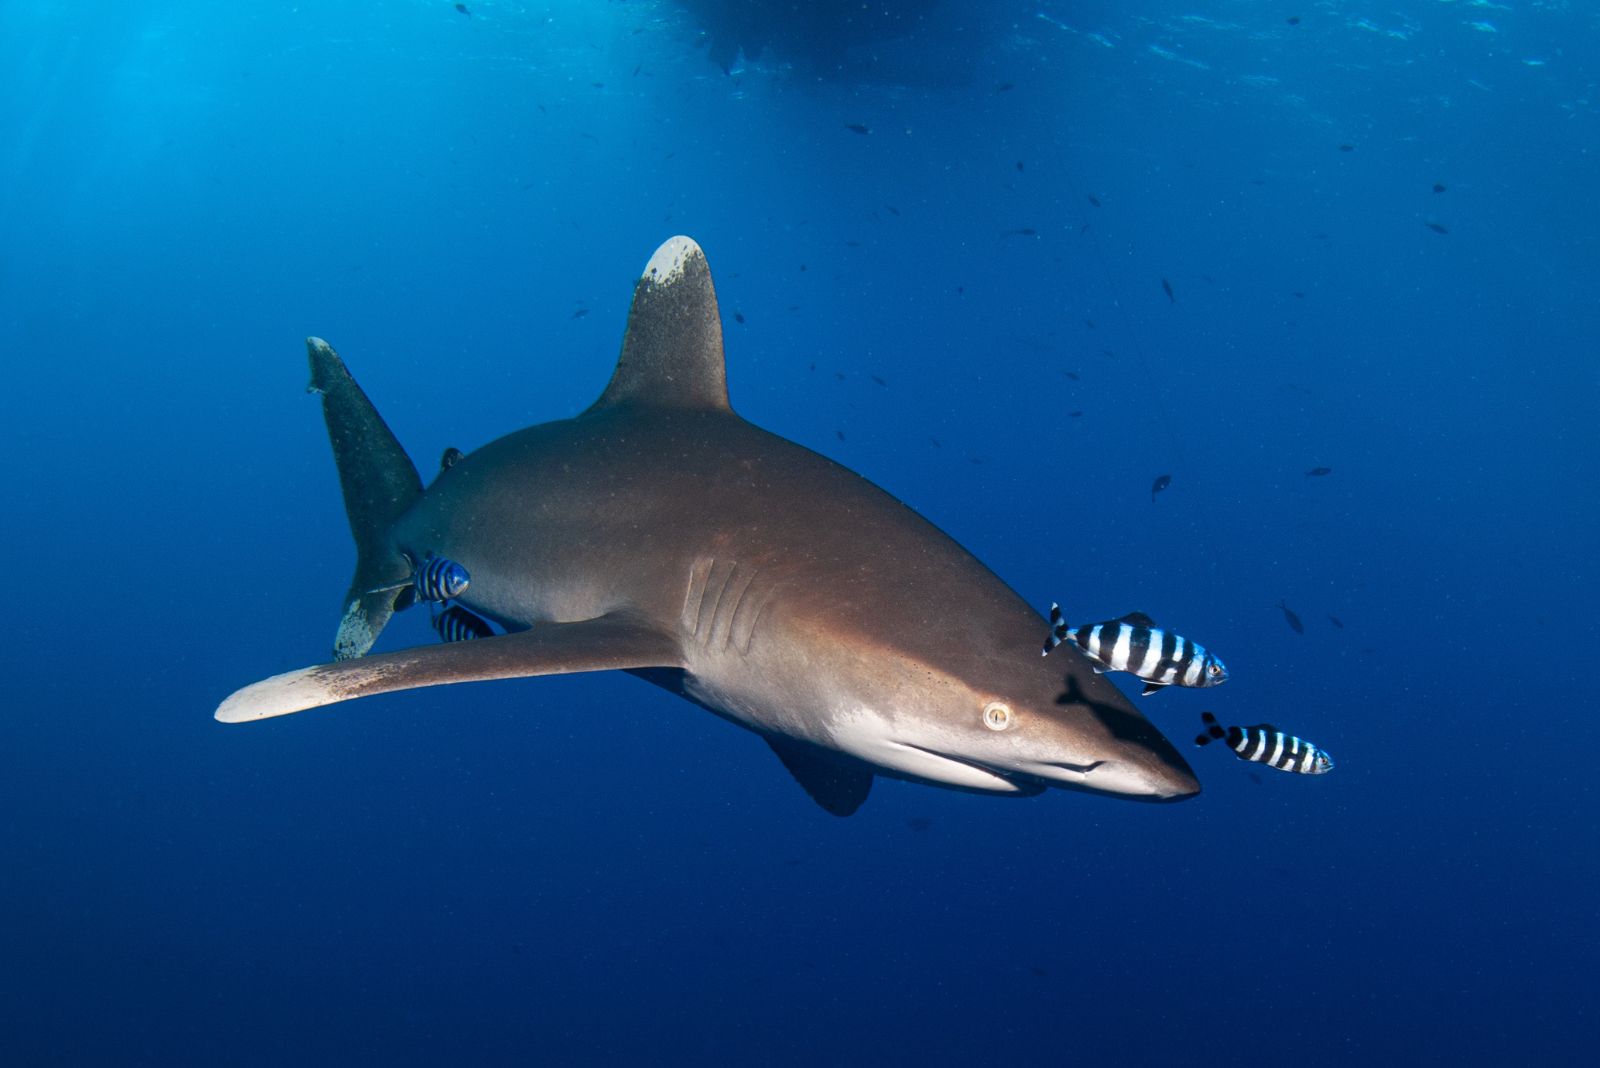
column 672, row 352
column 379, row 483
column 838, row 783
column 606, row 643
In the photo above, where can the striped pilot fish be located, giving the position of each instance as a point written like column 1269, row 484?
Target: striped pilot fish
column 436, row 579
column 1134, row 643
column 1266, row 744
column 440, row 579
column 456, row 624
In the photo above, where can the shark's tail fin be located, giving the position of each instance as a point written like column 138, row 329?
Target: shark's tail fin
column 380, row 483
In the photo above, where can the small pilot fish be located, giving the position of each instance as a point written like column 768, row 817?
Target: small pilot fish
column 1266, row 744
column 1135, row 644
column 1161, row 483
column 439, row 579
column 1293, row 620
column 456, row 624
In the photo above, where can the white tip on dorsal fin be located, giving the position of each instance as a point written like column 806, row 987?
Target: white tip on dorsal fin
column 672, row 352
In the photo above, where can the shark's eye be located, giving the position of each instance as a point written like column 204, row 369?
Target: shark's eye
column 996, row 716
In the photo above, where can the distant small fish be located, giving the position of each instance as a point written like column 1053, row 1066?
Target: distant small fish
column 856, row 127
column 1293, row 20
column 1074, row 415
column 839, row 434
column 580, row 313
column 463, row 9
column 1022, row 231
column 1266, row 744
column 919, row 823
column 1072, row 375
column 738, row 316
column 1135, row 644
column 456, row 624
column 451, row 457
column 1094, row 200
column 891, row 209
column 1090, row 324
column 1318, row 472
column 878, row 380
column 1293, row 620
column 1347, row 148
column 1298, row 293
column 1166, row 287
column 1161, row 483
column 1020, row 168
column 1335, row 621
column 1005, row 87
column 1438, row 187
column 1436, row 228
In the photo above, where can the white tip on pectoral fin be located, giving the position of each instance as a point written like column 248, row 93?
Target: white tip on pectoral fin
column 293, row 691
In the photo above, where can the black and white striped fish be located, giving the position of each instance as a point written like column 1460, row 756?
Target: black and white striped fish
column 456, row 624
column 1134, row 643
column 1266, row 744
column 436, row 580
column 440, row 579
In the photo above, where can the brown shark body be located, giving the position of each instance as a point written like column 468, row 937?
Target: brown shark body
column 661, row 534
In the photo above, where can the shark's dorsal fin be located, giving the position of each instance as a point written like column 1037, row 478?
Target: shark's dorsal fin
column 838, row 783
column 672, row 351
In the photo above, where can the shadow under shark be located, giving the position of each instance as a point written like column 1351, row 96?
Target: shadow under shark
column 661, row 534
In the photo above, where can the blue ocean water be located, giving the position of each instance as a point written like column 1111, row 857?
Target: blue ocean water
column 586, row 870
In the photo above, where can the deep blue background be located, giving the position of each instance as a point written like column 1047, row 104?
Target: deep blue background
column 584, row 869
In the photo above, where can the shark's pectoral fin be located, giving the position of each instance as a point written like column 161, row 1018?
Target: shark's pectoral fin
column 607, row 643
column 838, row 783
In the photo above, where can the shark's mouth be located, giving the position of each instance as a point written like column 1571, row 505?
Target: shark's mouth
column 1033, row 777
column 1047, row 770
column 953, row 770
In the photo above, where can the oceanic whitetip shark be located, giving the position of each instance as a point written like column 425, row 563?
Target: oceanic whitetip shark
column 660, row 534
